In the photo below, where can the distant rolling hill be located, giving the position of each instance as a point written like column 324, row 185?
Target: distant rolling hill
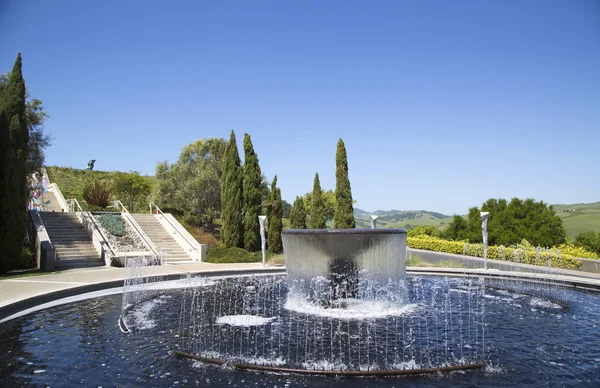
column 401, row 218
column 579, row 217
column 576, row 218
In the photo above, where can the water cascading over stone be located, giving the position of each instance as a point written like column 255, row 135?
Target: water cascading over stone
column 328, row 266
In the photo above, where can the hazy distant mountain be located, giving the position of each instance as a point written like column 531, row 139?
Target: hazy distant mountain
column 578, row 217
column 400, row 218
column 360, row 212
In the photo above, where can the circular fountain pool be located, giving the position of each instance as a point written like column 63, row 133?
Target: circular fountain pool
column 523, row 338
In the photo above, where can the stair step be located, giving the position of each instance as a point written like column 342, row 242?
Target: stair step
column 161, row 238
column 62, row 225
column 79, row 257
column 69, row 240
column 79, row 264
column 59, row 233
column 66, row 232
column 71, row 246
column 80, row 252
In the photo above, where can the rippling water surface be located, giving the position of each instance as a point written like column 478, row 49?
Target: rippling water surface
column 529, row 342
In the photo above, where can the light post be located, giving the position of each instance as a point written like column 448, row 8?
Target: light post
column 263, row 242
column 374, row 221
column 484, row 218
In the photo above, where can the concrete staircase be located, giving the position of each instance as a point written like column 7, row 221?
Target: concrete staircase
column 161, row 238
column 51, row 203
column 74, row 248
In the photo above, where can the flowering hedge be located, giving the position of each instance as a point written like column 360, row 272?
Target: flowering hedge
column 522, row 253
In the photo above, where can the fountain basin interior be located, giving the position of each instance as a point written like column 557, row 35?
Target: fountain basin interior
column 524, row 338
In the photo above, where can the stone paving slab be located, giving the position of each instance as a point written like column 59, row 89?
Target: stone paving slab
column 19, row 289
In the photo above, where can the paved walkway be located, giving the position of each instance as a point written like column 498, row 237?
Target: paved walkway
column 19, row 293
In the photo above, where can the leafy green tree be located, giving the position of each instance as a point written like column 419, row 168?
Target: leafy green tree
column 274, row 219
column 537, row 222
column 344, row 212
column 35, row 117
column 328, row 204
column 510, row 222
column 131, row 188
column 317, row 210
column 473, row 231
column 232, row 229
column 588, row 240
column 191, row 187
column 298, row 214
column 456, row 229
column 252, row 196
column 286, row 209
column 14, row 140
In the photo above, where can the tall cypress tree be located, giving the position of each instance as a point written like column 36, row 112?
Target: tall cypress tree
column 343, row 217
column 252, row 196
column 232, row 229
column 298, row 214
column 317, row 210
column 14, row 137
column 274, row 219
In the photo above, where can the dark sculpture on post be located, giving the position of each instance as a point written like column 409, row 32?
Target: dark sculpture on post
column 90, row 166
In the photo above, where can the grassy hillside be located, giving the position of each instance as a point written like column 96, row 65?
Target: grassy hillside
column 401, row 219
column 579, row 217
column 71, row 181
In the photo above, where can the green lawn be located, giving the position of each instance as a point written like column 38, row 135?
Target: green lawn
column 581, row 220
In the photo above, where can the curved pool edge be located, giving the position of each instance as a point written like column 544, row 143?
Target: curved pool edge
column 575, row 282
column 25, row 303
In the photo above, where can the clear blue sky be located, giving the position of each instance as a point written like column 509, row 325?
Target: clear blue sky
column 441, row 104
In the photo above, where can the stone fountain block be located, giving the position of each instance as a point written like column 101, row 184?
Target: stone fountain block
column 338, row 262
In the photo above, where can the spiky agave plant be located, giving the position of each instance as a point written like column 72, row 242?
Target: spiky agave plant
column 97, row 194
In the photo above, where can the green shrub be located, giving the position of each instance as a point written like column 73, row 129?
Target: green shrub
column 113, row 223
column 97, row 194
column 426, row 230
column 523, row 253
column 589, row 241
column 27, row 259
column 232, row 255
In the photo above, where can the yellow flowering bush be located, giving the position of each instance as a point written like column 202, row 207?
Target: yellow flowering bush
column 572, row 250
column 522, row 253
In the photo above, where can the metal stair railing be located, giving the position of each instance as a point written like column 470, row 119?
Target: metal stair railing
column 88, row 221
column 118, row 205
column 192, row 247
